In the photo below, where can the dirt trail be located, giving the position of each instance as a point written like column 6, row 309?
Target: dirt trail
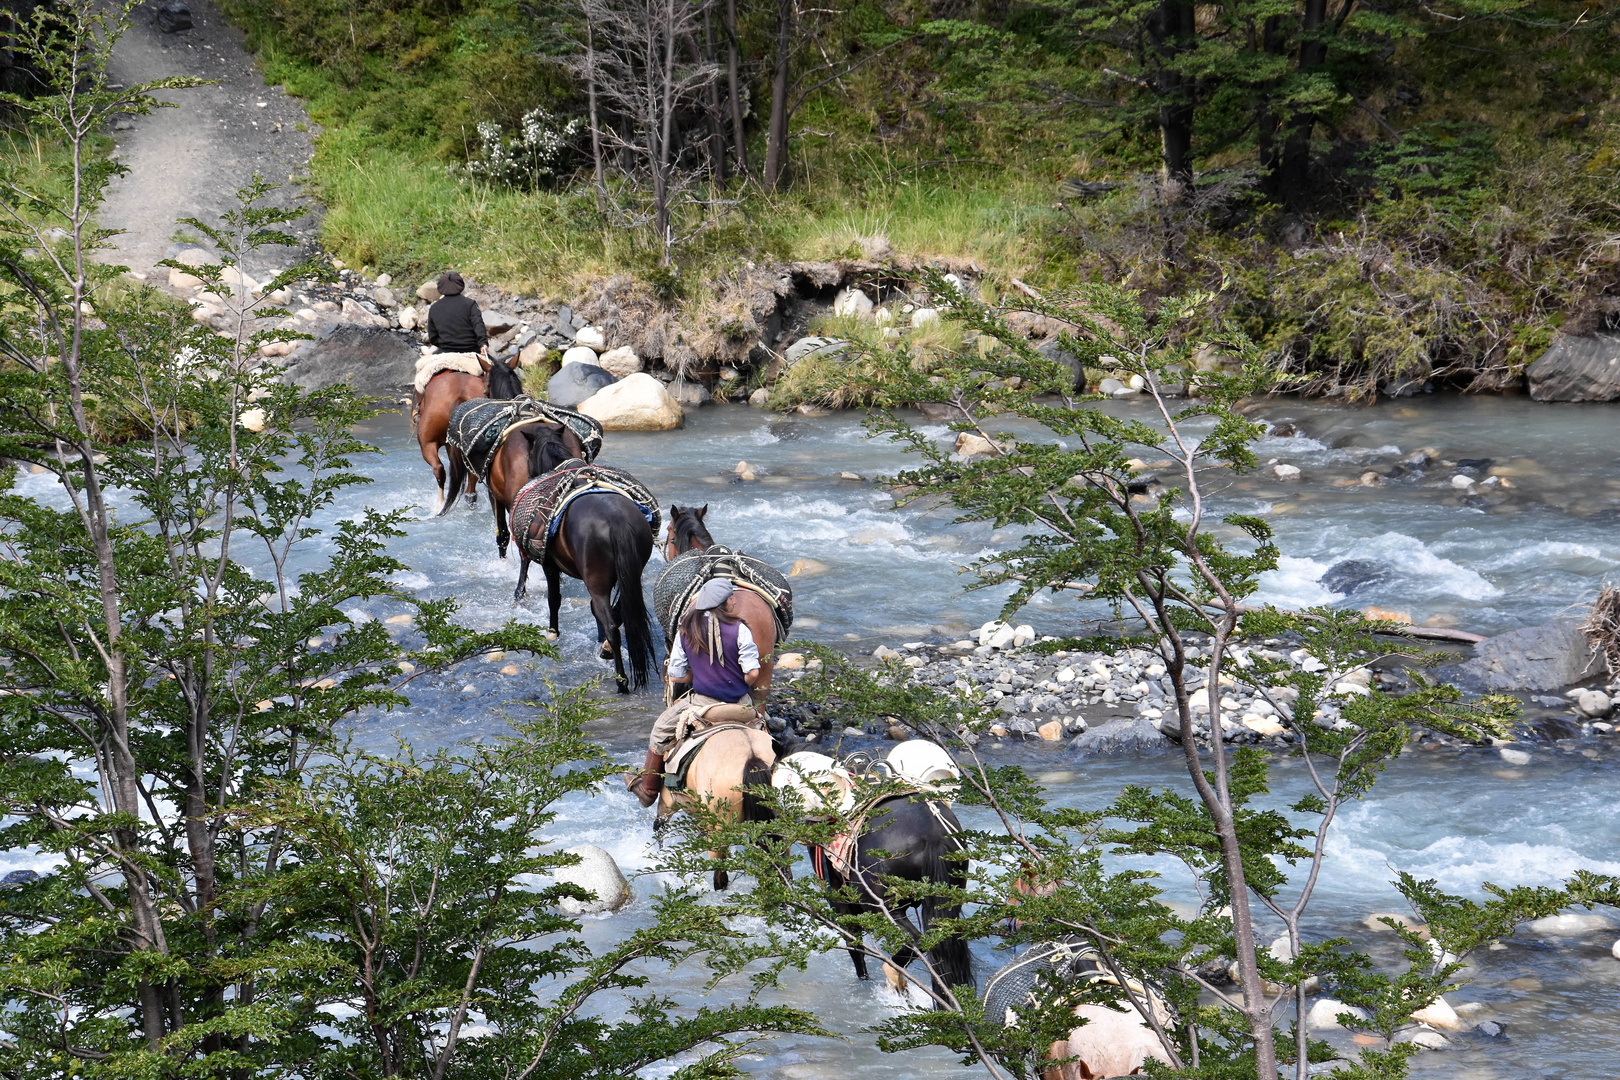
column 189, row 161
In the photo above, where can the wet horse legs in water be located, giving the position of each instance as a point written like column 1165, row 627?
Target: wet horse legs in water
column 915, row 846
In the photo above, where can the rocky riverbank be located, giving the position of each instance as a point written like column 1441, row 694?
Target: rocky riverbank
column 1117, row 700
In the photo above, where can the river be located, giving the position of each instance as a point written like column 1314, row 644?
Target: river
column 1486, row 559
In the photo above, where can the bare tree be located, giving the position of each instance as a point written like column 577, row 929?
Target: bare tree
column 634, row 65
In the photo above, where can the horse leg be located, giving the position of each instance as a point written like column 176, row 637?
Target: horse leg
column 430, row 454
column 607, row 632
column 553, row 595
column 523, row 579
column 721, row 879
column 503, row 536
column 857, row 951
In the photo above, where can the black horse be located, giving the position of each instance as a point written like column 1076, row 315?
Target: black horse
column 913, row 838
column 604, row 540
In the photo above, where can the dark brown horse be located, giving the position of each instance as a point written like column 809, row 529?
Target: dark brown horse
column 603, row 540
column 509, row 471
column 687, row 532
column 439, row 399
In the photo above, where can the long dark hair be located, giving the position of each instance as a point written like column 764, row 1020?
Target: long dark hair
column 700, row 631
column 546, row 448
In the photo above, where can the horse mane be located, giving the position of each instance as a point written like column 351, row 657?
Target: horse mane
column 504, row 383
column 546, row 448
column 688, row 525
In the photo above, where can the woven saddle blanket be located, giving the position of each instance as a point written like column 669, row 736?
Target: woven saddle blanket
column 684, row 752
column 1044, row 968
column 840, row 854
column 680, row 581
column 541, row 503
column 479, row 428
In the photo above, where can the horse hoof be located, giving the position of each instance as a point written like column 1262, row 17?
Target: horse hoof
column 552, row 635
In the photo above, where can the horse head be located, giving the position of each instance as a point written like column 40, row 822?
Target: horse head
column 504, row 381
column 546, row 448
column 686, row 531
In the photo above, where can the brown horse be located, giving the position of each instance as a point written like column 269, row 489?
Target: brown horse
column 723, row 770
column 509, row 471
column 603, row 540
column 687, row 532
column 439, row 399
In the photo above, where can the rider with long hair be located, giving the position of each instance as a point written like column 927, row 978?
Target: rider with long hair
column 714, row 653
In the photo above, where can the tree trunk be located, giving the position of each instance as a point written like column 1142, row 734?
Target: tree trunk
column 776, row 140
column 717, row 137
column 1172, row 30
column 665, row 128
column 734, row 88
column 596, row 129
column 1291, row 174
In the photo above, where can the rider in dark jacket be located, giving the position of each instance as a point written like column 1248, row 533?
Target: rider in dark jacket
column 454, row 323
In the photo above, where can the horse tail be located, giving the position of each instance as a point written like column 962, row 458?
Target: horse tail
column 756, row 775
column 458, row 477
column 950, row 957
column 636, row 625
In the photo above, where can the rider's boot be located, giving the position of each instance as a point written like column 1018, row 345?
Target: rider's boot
column 646, row 784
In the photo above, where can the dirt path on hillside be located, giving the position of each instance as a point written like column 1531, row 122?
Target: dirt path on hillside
column 189, row 161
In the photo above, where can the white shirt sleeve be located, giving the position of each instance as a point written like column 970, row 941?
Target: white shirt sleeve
column 747, row 651
column 677, row 660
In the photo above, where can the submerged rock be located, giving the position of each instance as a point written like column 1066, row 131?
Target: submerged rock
column 1346, row 577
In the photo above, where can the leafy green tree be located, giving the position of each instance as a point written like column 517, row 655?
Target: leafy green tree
column 1165, row 561
column 181, row 639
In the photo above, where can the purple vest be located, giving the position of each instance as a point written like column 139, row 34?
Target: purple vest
column 723, row 680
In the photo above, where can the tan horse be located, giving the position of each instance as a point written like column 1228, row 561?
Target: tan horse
column 722, row 769
column 687, row 532
column 432, row 408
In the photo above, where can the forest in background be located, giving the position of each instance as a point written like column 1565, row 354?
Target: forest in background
column 1384, row 194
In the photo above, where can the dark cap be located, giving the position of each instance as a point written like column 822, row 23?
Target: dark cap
column 450, row 284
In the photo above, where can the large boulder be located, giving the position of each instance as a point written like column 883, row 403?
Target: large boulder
column 1053, row 350
column 579, row 354
column 1547, row 657
column 1578, row 368
column 621, row 361
column 375, row 361
column 575, row 382
column 597, row 873
column 638, row 402
column 1122, row 736
column 853, row 302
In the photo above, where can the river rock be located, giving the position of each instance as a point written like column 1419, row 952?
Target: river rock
column 1324, row 1014
column 1594, row 704
column 359, row 316
column 591, row 337
column 760, row 398
column 1121, row 736
column 1346, row 577
column 806, row 568
column 498, row 322
column 375, row 361
column 1547, row 657
column 1110, row 387
column 689, row 395
column 924, row 316
column 428, row 290
column 636, row 403
column 531, row 354
column 1571, row 924
column 1438, row 1014
column 852, row 302
column 179, row 279
column 579, row 354
column 1285, row 472
column 576, row 381
column 20, row 877
column 596, row 872
column 971, row 445
column 385, row 297
column 408, row 318
column 1429, row 1040
column 817, row 346
column 621, row 361
column 1577, row 368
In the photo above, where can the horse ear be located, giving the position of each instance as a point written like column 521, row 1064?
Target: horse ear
column 704, row 509
column 673, row 511
column 512, row 364
column 485, row 364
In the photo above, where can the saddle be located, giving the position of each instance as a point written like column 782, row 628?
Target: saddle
column 479, row 428
column 680, row 581
column 539, row 506
column 1024, row 982
column 431, row 364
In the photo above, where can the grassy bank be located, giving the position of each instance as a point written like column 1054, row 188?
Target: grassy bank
column 1460, row 214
